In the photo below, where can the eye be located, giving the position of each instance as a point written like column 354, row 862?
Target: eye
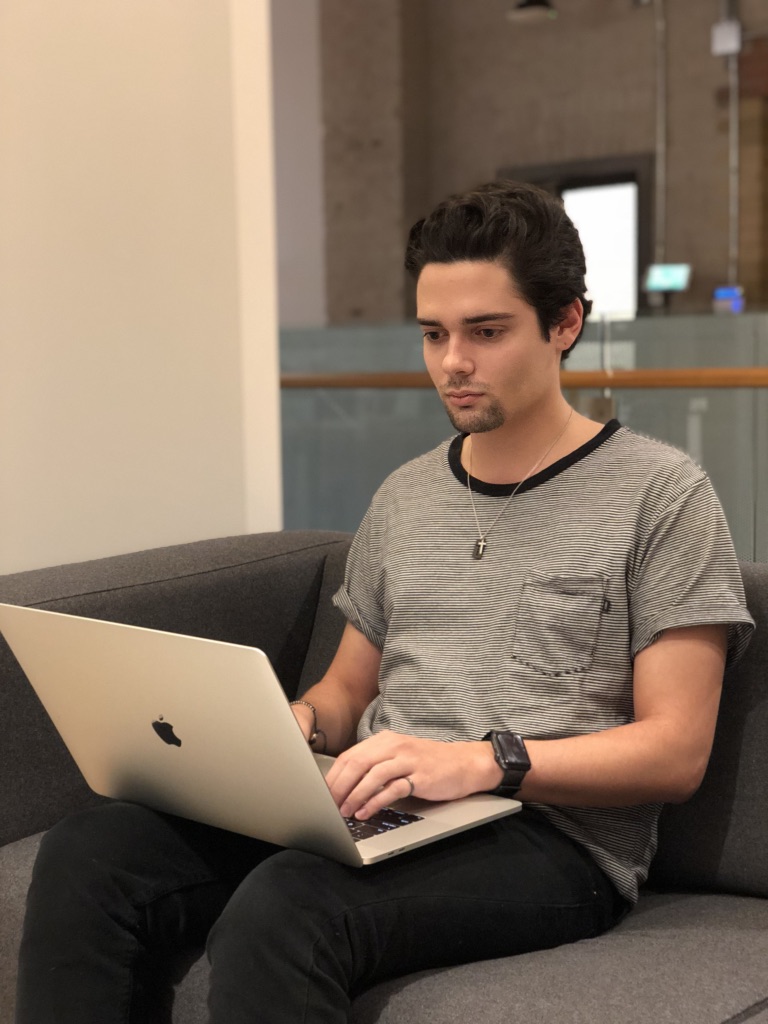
column 432, row 335
column 489, row 333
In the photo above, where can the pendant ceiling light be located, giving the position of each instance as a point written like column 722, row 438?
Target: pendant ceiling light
column 532, row 10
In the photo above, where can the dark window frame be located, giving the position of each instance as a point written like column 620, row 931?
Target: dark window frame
column 637, row 168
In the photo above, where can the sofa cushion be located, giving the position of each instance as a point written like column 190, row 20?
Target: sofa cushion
column 16, row 861
column 686, row 959
column 718, row 841
column 190, row 1004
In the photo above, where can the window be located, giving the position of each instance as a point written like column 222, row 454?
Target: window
column 606, row 219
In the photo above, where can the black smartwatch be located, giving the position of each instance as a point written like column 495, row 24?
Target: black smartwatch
column 512, row 757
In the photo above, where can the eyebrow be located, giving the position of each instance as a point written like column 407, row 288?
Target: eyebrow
column 481, row 318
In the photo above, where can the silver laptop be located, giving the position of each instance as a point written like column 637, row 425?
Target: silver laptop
column 203, row 729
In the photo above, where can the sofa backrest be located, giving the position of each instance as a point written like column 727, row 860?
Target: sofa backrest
column 719, row 840
column 329, row 622
column 261, row 590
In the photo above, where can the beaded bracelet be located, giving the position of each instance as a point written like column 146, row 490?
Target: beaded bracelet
column 314, row 731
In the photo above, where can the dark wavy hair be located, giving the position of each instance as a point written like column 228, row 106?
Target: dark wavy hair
column 518, row 225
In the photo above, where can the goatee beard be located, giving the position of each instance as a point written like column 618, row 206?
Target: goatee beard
column 476, row 422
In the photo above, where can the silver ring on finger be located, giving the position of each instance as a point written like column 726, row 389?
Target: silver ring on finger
column 409, row 780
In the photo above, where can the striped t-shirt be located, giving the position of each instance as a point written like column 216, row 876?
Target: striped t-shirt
column 590, row 561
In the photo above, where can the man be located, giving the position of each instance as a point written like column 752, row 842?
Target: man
column 543, row 604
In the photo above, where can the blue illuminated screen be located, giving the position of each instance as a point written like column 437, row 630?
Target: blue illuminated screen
column 667, row 277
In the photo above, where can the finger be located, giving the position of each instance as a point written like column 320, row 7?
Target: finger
column 345, row 773
column 366, row 786
column 395, row 789
column 354, row 765
column 348, row 774
column 384, row 797
column 361, row 758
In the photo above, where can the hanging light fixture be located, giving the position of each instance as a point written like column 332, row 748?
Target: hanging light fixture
column 532, row 10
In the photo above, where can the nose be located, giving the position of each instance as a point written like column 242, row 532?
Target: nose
column 456, row 358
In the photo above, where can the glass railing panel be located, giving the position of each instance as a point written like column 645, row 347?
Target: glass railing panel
column 686, row 340
column 339, row 444
column 349, row 349
column 719, row 429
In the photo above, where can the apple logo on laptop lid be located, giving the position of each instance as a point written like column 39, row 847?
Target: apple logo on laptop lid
column 165, row 731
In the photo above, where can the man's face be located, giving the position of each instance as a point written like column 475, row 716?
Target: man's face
column 483, row 346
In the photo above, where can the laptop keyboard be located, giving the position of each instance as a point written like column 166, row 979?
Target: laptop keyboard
column 384, row 821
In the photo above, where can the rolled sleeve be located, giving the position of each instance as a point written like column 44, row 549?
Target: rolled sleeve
column 690, row 575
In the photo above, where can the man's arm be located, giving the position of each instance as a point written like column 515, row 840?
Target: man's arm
column 344, row 692
column 661, row 756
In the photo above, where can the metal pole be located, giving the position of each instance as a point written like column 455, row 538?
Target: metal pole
column 660, row 223
column 733, row 169
column 730, row 11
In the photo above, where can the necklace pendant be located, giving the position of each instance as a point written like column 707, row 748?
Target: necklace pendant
column 480, row 547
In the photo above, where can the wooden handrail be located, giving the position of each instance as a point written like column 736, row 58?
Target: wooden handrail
column 705, row 377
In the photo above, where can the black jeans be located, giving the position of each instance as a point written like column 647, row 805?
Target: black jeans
column 122, row 900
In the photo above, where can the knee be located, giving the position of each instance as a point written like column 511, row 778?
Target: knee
column 75, row 836
column 289, row 891
column 83, row 844
column 281, row 942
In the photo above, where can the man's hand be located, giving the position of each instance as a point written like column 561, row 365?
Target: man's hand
column 343, row 694
column 375, row 773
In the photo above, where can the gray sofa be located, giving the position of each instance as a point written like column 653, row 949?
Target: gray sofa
column 695, row 950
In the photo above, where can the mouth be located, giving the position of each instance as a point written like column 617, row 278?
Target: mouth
column 462, row 397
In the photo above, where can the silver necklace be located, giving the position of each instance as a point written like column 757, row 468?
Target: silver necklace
column 482, row 538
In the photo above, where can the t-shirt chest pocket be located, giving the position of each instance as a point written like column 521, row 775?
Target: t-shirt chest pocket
column 558, row 622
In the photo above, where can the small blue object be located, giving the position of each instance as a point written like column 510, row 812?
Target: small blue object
column 729, row 299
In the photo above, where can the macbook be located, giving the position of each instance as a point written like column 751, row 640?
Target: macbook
column 203, row 729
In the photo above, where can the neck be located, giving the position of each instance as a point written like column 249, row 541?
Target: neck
column 513, row 452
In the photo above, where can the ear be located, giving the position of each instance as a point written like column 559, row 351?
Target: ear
column 566, row 331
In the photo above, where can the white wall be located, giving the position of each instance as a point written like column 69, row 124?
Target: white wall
column 138, row 358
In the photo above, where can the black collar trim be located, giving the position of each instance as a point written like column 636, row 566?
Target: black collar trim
column 504, row 490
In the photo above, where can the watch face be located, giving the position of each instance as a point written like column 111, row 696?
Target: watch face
column 510, row 750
